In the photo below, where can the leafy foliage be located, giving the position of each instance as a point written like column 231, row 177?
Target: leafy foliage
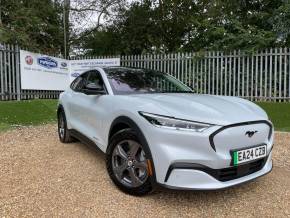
column 147, row 26
column 32, row 24
column 185, row 25
column 281, row 23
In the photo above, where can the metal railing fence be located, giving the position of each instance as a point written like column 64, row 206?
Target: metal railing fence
column 263, row 75
column 10, row 81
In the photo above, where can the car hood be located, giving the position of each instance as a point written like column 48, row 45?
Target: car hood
column 220, row 110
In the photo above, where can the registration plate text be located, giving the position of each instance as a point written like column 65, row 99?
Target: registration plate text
column 249, row 154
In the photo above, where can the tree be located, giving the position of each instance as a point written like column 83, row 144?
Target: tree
column 186, row 25
column 101, row 27
column 173, row 22
column 281, row 24
column 81, row 13
column 235, row 24
column 103, row 41
column 32, row 24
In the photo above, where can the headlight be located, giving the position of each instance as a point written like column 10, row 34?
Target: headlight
column 172, row 123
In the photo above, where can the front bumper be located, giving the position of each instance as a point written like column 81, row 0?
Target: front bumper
column 191, row 179
column 169, row 147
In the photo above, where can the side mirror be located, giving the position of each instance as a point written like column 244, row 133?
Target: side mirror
column 94, row 89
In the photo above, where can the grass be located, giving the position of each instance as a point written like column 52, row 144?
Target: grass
column 279, row 114
column 27, row 113
column 37, row 112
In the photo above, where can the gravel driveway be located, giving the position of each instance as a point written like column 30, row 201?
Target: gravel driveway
column 39, row 176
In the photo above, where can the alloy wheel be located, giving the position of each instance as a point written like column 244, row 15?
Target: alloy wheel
column 61, row 126
column 129, row 163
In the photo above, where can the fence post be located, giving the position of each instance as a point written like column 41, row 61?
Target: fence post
column 18, row 88
column 1, row 72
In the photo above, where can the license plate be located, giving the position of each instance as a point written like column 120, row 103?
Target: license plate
column 249, row 154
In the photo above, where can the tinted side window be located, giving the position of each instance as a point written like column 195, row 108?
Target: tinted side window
column 79, row 83
column 75, row 82
column 96, row 78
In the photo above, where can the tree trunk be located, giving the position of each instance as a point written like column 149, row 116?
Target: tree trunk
column 66, row 11
column 0, row 13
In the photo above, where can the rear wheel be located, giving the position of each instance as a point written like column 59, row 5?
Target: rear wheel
column 63, row 133
column 128, row 164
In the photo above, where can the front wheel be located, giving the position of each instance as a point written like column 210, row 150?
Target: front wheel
column 128, row 165
column 63, row 132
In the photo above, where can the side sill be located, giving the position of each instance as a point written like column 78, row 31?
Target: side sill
column 83, row 139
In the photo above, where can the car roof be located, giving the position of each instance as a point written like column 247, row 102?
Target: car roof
column 116, row 69
column 121, row 68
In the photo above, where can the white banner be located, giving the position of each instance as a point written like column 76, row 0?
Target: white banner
column 42, row 72
column 77, row 67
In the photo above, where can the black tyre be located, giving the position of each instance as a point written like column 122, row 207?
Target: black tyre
column 63, row 133
column 128, row 165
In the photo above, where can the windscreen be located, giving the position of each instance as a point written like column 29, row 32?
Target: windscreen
column 134, row 81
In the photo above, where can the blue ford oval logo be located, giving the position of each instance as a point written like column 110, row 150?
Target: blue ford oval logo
column 75, row 74
column 47, row 62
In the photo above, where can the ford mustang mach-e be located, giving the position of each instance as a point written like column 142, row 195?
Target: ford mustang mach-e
column 156, row 131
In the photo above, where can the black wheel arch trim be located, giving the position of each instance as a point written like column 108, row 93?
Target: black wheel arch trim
column 128, row 121
column 59, row 108
column 211, row 137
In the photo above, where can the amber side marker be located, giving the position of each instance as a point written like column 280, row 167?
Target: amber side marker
column 149, row 168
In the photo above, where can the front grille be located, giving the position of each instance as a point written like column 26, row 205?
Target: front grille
column 231, row 173
column 218, row 137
